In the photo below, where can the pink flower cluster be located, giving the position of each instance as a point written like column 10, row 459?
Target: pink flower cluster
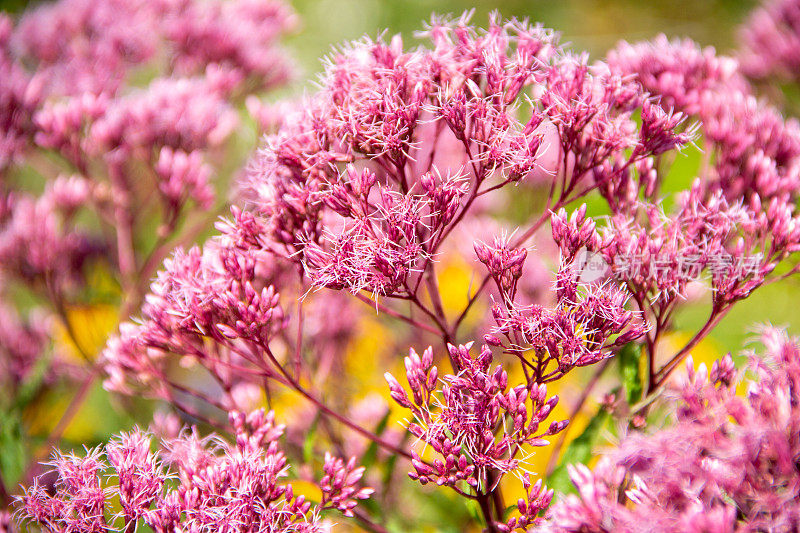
column 729, row 462
column 755, row 149
column 37, row 243
column 459, row 421
column 80, row 49
column 364, row 181
column 22, row 341
column 114, row 123
column 770, row 41
column 589, row 322
column 212, row 293
column 740, row 208
column 110, row 151
column 191, row 484
column 362, row 186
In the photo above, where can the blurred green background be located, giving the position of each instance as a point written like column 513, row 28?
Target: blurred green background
column 593, row 25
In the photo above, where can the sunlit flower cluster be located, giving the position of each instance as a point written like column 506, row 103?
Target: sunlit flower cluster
column 192, row 483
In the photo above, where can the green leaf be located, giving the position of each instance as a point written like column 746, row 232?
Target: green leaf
column 474, row 511
column 508, row 510
column 30, row 387
column 308, row 444
column 13, row 448
column 631, row 372
column 578, row 451
column 390, row 462
column 371, row 453
column 679, row 170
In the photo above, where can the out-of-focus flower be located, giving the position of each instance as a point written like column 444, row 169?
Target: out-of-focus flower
column 37, row 240
column 182, row 113
column 209, row 294
column 18, row 99
column 678, row 71
column 771, row 41
column 239, row 36
column 80, row 46
column 728, row 464
column 23, row 341
column 184, row 175
column 756, row 150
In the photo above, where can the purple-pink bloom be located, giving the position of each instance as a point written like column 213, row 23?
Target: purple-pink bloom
column 478, row 426
column 189, row 484
column 727, row 463
column 771, row 40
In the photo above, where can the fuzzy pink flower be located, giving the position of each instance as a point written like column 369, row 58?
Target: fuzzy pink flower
column 208, row 294
column 728, row 463
column 771, row 40
column 192, row 484
column 240, row 36
column 459, row 418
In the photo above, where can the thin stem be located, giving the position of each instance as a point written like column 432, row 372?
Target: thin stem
column 123, row 220
column 327, row 410
column 391, row 312
column 298, row 346
column 367, row 522
column 422, row 307
column 497, row 500
column 587, row 390
column 486, row 510
column 455, row 222
column 667, row 369
column 521, row 239
column 5, row 497
column 61, row 311
column 63, row 423
column 782, row 277
column 193, row 393
column 471, row 301
column 436, row 299
column 165, row 245
column 493, row 187
column 433, row 292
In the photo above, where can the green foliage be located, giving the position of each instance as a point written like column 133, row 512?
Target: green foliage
column 630, row 372
column 13, row 447
column 578, row 451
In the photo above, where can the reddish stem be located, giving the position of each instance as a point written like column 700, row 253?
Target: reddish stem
column 667, row 369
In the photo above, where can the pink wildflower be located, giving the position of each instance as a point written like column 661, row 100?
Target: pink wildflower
column 729, row 462
column 227, row 487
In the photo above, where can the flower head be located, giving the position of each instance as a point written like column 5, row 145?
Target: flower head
column 212, row 485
